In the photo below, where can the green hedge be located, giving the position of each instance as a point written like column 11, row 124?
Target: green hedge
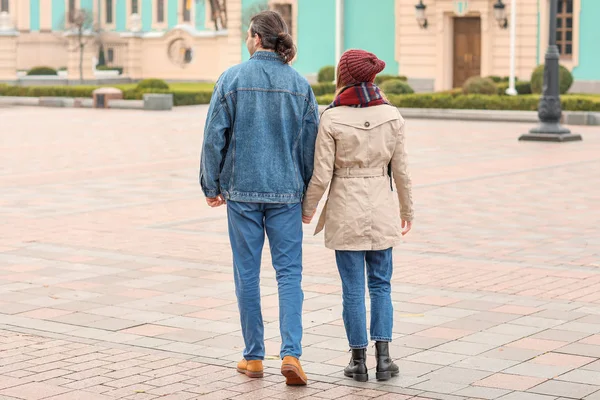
column 107, row 68
column 326, row 74
column 47, row 91
column 482, row 102
column 523, row 87
column 323, row 88
column 379, row 79
column 180, row 98
column 43, row 71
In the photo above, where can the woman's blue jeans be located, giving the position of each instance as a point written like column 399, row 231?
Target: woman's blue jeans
column 379, row 265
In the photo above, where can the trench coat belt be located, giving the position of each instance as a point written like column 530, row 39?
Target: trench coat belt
column 349, row 173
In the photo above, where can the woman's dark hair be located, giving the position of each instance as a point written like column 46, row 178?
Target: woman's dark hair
column 273, row 33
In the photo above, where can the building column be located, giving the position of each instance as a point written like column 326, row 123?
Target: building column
column 8, row 48
column 234, row 31
column 133, row 61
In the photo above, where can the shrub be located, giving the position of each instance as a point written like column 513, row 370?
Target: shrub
column 537, row 79
column 379, row 79
column 42, row 71
column 326, row 74
column 323, row 88
column 479, row 85
column 523, row 87
column 396, row 86
column 107, row 68
column 153, row 84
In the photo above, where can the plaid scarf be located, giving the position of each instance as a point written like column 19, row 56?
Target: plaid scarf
column 365, row 94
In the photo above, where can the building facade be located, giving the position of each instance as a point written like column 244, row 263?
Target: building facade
column 178, row 39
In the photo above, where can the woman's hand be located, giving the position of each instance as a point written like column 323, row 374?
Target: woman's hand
column 215, row 201
column 406, row 227
column 307, row 219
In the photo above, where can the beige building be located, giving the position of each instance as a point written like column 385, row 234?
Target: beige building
column 437, row 48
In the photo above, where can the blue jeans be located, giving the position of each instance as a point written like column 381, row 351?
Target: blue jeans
column 351, row 265
column 282, row 223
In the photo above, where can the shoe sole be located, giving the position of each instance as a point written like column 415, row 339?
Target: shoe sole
column 385, row 376
column 292, row 376
column 250, row 374
column 357, row 377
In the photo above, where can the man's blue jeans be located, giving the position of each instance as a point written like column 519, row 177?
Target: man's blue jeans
column 282, row 223
column 351, row 265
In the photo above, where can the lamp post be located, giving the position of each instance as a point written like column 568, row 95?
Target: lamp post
column 549, row 109
column 420, row 14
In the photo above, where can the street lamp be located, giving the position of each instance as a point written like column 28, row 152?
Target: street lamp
column 500, row 14
column 549, row 109
column 421, row 17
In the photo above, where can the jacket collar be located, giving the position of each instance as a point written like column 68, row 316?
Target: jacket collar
column 266, row 55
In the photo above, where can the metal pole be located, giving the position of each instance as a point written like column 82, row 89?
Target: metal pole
column 339, row 32
column 511, row 91
column 549, row 109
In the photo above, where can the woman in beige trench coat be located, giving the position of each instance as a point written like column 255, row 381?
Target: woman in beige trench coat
column 359, row 145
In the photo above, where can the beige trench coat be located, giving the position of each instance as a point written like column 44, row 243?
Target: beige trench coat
column 354, row 148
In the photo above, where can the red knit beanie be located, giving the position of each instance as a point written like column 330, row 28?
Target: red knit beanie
column 358, row 66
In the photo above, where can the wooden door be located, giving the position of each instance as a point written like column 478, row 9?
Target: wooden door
column 467, row 49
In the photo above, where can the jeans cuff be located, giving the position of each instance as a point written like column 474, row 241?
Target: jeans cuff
column 363, row 346
column 252, row 358
column 381, row 339
column 291, row 355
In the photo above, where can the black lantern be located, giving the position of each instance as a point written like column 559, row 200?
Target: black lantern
column 420, row 13
column 500, row 14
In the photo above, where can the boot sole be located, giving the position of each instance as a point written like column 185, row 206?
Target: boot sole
column 250, row 374
column 357, row 377
column 292, row 376
column 385, row 376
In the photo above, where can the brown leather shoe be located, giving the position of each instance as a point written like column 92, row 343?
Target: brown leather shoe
column 292, row 370
column 252, row 368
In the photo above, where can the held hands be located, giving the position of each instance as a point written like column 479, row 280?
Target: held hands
column 406, row 227
column 307, row 219
column 215, row 201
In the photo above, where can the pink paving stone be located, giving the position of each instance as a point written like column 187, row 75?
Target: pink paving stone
column 510, row 382
column 444, row 333
column 150, row 330
column 519, row 310
column 140, row 293
column 78, row 285
column 45, row 313
column 537, row 344
column 34, row 391
column 208, row 302
column 323, row 288
column 563, row 360
column 594, row 339
column 435, row 300
column 214, row 314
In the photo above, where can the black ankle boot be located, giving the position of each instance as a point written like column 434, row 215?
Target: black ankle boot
column 385, row 366
column 357, row 369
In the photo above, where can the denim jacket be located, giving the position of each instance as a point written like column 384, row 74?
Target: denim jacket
column 261, row 128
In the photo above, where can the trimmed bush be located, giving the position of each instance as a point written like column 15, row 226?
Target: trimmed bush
column 396, row 86
column 479, row 85
column 41, row 71
column 523, row 87
column 483, row 102
column 153, row 84
column 107, row 68
column 379, row 79
column 537, row 79
column 326, row 74
column 323, row 88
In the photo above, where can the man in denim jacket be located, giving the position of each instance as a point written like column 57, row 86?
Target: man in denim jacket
column 257, row 157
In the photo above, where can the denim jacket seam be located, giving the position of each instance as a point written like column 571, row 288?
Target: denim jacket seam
column 251, row 89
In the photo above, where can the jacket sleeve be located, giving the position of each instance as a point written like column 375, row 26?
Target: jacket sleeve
column 214, row 148
column 310, row 127
column 402, row 177
column 324, row 162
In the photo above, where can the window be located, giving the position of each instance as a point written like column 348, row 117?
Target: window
column 4, row 5
column 187, row 14
column 160, row 11
column 71, row 11
column 564, row 28
column 109, row 11
column 134, row 7
column 286, row 12
column 110, row 55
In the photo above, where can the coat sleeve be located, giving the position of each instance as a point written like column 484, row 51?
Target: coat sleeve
column 402, row 177
column 323, row 169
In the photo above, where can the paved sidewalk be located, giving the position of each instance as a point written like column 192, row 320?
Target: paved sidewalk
column 115, row 277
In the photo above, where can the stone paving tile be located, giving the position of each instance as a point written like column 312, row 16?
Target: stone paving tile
column 566, row 389
column 510, row 382
column 34, row 391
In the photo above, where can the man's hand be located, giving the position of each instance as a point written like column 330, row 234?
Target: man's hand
column 215, row 201
column 307, row 219
column 406, row 227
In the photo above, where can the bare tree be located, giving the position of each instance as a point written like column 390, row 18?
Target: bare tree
column 82, row 22
column 218, row 10
column 251, row 11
